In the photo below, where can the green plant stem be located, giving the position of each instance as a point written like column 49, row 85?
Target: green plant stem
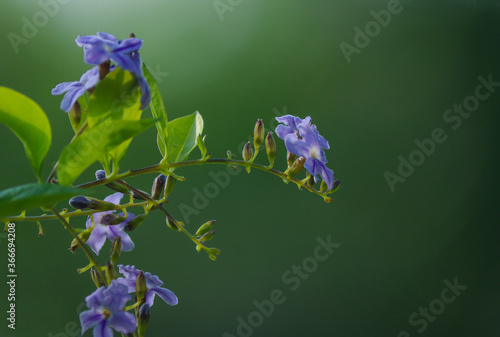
column 80, row 242
column 70, row 214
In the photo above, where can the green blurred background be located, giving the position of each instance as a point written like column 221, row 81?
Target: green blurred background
column 276, row 57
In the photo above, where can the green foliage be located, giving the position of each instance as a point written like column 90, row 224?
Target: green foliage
column 94, row 143
column 158, row 111
column 30, row 124
column 16, row 199
column 183, row 133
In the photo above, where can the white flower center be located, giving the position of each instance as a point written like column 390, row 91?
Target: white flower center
column 315, row 152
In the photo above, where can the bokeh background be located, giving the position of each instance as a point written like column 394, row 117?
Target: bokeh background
column 255, row 60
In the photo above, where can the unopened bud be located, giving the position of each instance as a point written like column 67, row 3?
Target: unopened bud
column 258, row 134
column 158, row 187
column 110, row 272
column 116, row 249
column 84, row 236
column 171, row 224
column 112, row 219
column 311, row 181
column 143, row 319
column 270, row 148
column 208, row 236
column 290, row 158
column 134, row 223
column 297, row 166
column 207, row 226
column 82, row 202
column 100, row 174
column 75, row 115
column 247, row 152
column 169, row 186
column 139, row 196
column 97, row 278
column 336, row 185
column 141, row 287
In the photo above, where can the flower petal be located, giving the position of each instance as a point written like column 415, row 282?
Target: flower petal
column 129, row 45
column 296, row 146
column 166, row 295
column 326, row 174
column 123, row 322
column 71, row 97
column 89, row 319
column 103, row 329
column 97, row 238
column 114, row 198
column 61, row 88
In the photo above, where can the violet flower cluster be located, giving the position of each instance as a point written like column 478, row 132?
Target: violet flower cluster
column 98, row 49
column 106, row 304
column 303, row 139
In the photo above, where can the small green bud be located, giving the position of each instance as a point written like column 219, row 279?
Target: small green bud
column 171, row 224
column 97, row 278
column 169, row 186
column 207, row 226
column 138, row 196
column 323, row 186
column 116, row 249
column 158, row 187
column 110, row 272
column 270, row 148
column 336, row 185
column 143, row 319
column 214, row 251
column 297, row 166
column 247, row 152
column 84, row 236
column 208, row 236
column 141, row 287
column 258, row 134
column 290, row 158
column 311, row 181
column 134, row 223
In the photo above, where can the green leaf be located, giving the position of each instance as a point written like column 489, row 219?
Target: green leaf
column 200, row 141
column 158, row 111
column 94, row 143
column 30, row 124
column 182, row 135
column 16, row 199
column 116, row 96
column 83, row 101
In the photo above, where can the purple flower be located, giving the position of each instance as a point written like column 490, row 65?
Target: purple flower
column 102, row 229
column 153, row 284
column 106, row 311
column 303, row 139
column 76, row 89
column 103, row 47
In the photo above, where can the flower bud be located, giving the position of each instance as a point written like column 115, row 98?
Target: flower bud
column 247, row 152
column 75, row 115
column 158, row 187
column 297, row 166
column 208, row 236
column 323, row 186
column 82, row 202
column 270, row 148
column 110, row 272
column 169, row 186
column 138, row 196
column 134, row 223
column 112, row 219
column 336, row 185
column 116, row 249
column 311, row 181
column 97, row 278
column 207, row 226
column 258, row 134
column 100, row 174
column 84, row 236
column 141, row 287
column 290, row 158
column 171, row 224
column 143, row 319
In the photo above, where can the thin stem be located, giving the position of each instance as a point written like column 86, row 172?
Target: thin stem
column 80, row 242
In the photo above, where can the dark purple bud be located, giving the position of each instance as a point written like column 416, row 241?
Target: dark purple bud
column 100, row 174
column 134, row 223
column 112, row 219
column 158, row 186
column 79, row 202
column 143, row 319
